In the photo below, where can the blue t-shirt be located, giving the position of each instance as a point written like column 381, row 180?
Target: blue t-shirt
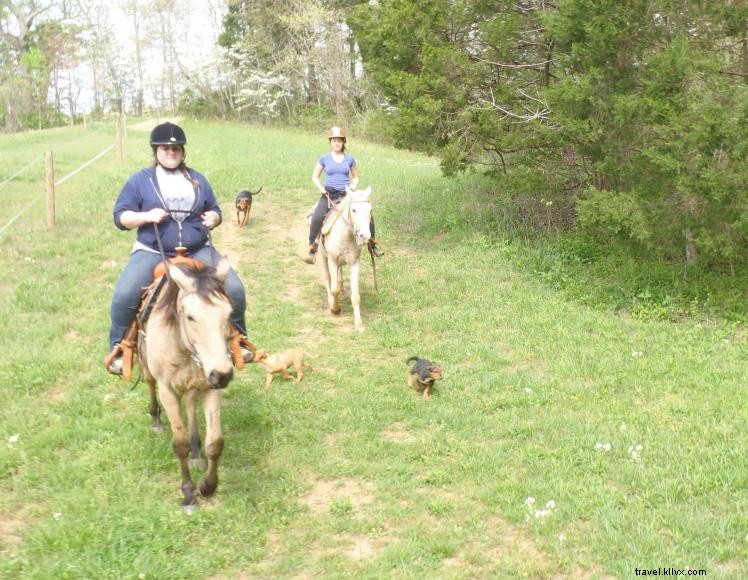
column 337, row 174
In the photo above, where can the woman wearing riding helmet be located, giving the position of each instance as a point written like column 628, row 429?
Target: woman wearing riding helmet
column 340, row 171
column 171, row 205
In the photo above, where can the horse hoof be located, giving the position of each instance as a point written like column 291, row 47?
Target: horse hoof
column 198, row 463
column 190, row 509
column 157, row 429
column 360, row 328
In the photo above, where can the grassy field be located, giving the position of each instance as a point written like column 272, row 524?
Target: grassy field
column 564, row 440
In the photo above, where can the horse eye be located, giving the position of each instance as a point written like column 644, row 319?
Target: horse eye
column 190, row 318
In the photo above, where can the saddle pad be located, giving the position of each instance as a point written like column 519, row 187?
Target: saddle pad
column 332, row 215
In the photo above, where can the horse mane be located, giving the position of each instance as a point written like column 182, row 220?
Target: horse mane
column 206, row 285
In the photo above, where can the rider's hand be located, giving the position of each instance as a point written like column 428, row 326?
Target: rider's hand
column 155, row 215
column 211, row 219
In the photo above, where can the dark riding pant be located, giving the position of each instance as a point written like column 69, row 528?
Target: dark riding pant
column 138, row 274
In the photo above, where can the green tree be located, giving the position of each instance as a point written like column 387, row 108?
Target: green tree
column 650, row 95
column 465, row 78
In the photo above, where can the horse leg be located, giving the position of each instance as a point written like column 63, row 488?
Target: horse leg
column 355, row 269
column 180, row 444
column 155, row 410
column 213, row 440
column 332, row 276
column 196, row 461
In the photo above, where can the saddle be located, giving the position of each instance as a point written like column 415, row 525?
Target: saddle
column 129, row 342
column 336, row 210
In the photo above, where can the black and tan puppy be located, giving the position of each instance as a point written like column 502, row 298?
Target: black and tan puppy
column 243, row 204
column 422, row 374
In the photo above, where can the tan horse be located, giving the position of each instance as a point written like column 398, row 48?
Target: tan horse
column 341, row 246
column 183, row 351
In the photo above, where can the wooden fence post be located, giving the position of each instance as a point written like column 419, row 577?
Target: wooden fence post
column 120, row 139
column 50, row 171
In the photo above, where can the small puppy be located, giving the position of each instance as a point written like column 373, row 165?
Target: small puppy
column 422, row 375
column 243, row 204
column 280, row 362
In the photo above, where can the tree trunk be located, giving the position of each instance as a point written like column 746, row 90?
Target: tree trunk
column 691, row 255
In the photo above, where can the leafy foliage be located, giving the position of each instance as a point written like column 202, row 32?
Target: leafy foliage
column 627, row 115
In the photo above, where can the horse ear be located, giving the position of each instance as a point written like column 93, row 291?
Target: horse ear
column 222, row 269
column 182, row 279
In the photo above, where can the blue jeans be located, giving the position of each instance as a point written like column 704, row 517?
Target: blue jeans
column 138, row 274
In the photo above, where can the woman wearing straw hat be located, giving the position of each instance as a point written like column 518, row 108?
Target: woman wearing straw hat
column 340, row 171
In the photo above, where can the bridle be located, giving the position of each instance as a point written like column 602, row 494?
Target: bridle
column 187, row 341
column 348, row 214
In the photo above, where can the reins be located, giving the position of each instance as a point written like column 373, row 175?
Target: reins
column 157, row 290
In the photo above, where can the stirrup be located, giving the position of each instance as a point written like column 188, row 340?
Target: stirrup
column 376, row 250
column 242, row 349
column 116, row 366
column 312, row 256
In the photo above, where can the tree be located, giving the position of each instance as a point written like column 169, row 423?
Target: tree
column 650, row 95
column 19, row 77
column 307, row 47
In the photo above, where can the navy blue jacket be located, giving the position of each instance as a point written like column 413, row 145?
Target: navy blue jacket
column 141, row 193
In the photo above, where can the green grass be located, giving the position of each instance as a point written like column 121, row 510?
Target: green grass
column 350, row 473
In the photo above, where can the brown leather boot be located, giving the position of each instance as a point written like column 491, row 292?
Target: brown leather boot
column 376, row 250
column 312, row 253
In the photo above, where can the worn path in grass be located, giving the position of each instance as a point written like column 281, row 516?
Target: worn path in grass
column 274, row 243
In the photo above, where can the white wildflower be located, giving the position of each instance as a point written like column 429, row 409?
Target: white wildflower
column 540, row 514
column 57, row 515
column 528, row 390
column 636, row 354
column 604, row 447
column 636, row 452
column 13, row 439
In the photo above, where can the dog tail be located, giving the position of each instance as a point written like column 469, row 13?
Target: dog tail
column 411, row 359
column 258, row 191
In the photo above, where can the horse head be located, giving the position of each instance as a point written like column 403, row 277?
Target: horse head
column 359, row 214
column 203, row 310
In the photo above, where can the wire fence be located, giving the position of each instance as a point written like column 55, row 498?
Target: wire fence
column 56, row 183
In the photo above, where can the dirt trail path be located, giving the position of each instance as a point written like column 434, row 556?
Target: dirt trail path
column 268, row 254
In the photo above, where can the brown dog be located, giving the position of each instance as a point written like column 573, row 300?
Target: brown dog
column 423, row 374
column 243, row 204
column 280, row 362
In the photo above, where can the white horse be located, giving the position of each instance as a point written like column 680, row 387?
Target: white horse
column 341, row 245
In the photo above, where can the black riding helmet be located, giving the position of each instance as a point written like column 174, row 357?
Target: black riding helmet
column 168, row 134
